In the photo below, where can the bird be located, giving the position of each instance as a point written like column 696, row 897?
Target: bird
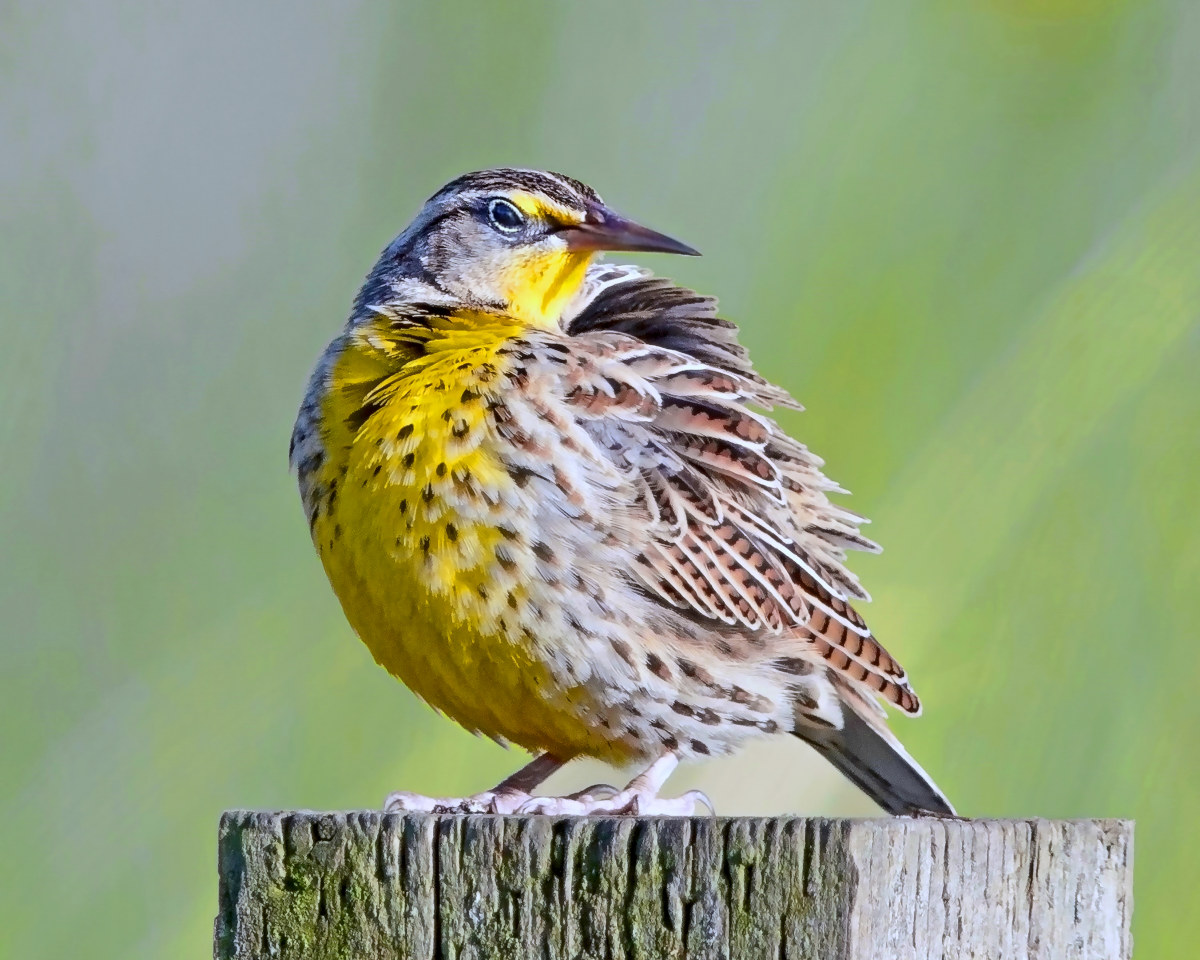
column 551, row 497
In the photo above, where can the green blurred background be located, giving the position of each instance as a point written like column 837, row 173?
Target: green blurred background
column 965, row 234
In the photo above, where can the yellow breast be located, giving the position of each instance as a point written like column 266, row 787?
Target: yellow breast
column 413, row 526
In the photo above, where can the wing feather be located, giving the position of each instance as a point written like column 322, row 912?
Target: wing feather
column 741, row 531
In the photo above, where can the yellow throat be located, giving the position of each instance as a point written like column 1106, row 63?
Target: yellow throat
column 540, row 284
column 540, row 287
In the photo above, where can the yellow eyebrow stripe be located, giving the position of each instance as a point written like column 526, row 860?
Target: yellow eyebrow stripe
column 542, row 208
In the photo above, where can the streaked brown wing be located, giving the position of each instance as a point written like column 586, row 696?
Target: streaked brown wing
column 740, row 527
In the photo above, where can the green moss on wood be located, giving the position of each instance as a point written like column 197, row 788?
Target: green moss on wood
column 301, row 886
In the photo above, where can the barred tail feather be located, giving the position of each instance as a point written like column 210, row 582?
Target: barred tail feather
column 875, row 761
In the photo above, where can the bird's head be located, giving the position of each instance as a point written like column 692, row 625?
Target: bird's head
column 516, row 242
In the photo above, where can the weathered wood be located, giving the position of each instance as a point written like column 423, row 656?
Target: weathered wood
column 364, row 885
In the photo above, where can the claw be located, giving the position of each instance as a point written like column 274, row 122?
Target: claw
column 699, row 796
column 590, row 793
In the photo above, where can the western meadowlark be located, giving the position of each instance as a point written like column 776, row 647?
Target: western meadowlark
column 547, row 495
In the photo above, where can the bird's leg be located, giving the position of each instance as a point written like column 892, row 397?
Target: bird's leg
column 506, row 797
column 640, row 797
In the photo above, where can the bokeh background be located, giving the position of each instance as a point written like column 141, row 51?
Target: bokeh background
column 967, row 235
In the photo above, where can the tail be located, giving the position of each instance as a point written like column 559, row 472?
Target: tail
column 875, row 762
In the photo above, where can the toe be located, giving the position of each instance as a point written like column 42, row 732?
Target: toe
column 404, row 802
column 507, row 801
column 553, row 807
column 479, row 803
column 650, row 806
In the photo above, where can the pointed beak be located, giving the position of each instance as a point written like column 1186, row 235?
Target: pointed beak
column 605, row 230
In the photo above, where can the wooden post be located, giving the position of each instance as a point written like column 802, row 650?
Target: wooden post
column 368, row 886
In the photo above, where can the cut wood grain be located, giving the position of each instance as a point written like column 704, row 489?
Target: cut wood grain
column 301, row 886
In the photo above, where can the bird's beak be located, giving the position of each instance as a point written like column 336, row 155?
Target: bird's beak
column 605, row 230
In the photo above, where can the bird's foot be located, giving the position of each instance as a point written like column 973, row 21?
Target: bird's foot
column 627, row 802
column 490, row 801
column 595, row 800
column 513, row 796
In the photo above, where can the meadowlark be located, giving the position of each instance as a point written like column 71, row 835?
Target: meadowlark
column 550, row 499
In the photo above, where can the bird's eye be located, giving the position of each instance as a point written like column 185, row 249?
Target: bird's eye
column 505, row 216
